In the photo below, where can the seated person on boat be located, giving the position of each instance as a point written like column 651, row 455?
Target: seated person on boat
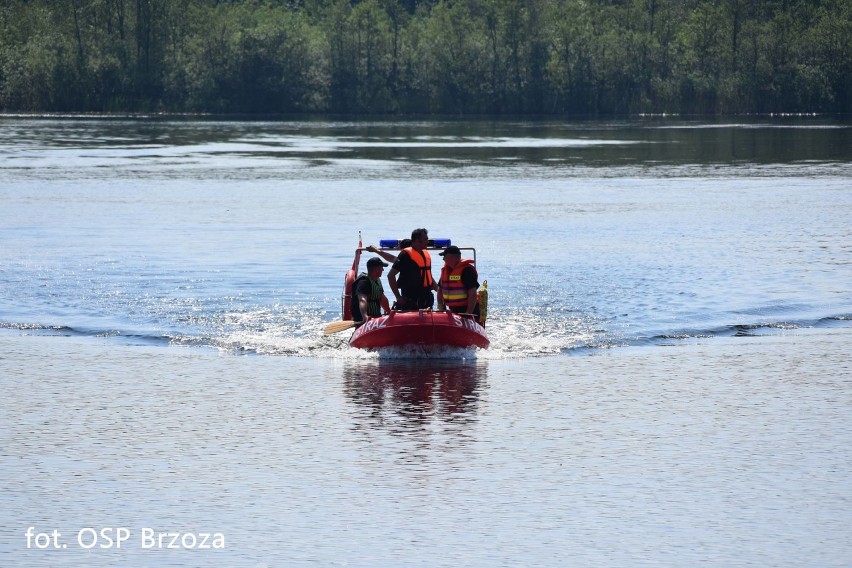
column 368, row 293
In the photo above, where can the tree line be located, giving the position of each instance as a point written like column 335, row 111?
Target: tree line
column 448, row 57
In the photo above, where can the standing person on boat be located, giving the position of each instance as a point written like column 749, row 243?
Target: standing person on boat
column 369, row 295
column 459, row 283
column 410, row 278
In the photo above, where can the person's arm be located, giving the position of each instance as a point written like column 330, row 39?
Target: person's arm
column 469, row 280
column 393, row 274
column 441, row 306
column 392, row 281
column 471, row 299
column 360, row 296
column 435, row 283
column 385, row 304
column 384, row 254
column 362, row 304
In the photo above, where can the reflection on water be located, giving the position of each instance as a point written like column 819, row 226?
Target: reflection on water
column 196, row 150
column 415, row 391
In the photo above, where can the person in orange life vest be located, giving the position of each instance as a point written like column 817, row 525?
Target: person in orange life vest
column 458, row 284
column 368, row 293
column 410, row 278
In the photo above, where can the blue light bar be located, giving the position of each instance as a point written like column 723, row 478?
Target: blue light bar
column 433, row 243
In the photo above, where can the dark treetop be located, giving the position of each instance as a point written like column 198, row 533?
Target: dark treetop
column 451, row 57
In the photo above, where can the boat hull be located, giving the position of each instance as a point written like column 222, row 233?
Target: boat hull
column 423, row 328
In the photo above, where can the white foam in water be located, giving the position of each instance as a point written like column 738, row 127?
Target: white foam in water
column 514, row 334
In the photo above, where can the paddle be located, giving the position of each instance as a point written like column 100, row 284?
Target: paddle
column 336, row 326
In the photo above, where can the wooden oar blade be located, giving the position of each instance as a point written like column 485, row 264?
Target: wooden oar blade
column 337, row 326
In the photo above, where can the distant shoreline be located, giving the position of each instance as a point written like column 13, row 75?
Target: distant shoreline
column 325, row 117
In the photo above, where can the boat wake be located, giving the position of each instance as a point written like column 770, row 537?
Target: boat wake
column 298, row 331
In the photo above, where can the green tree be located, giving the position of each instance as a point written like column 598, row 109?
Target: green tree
column 427, row 56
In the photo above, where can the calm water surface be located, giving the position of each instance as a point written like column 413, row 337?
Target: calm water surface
column 701, row 271
column 237, row 235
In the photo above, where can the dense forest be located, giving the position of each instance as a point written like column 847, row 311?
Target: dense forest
column 452, row 57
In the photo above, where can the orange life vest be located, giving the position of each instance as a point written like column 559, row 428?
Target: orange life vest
column 424, row 261
column 452, row 287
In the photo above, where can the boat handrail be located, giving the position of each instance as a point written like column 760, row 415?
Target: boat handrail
column 472, row 249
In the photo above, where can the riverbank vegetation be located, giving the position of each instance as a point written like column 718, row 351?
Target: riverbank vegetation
column 454, row 57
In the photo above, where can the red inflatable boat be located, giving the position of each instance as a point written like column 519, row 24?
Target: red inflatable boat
column 424, row 328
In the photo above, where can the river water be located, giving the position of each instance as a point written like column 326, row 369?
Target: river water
column 667, row 381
